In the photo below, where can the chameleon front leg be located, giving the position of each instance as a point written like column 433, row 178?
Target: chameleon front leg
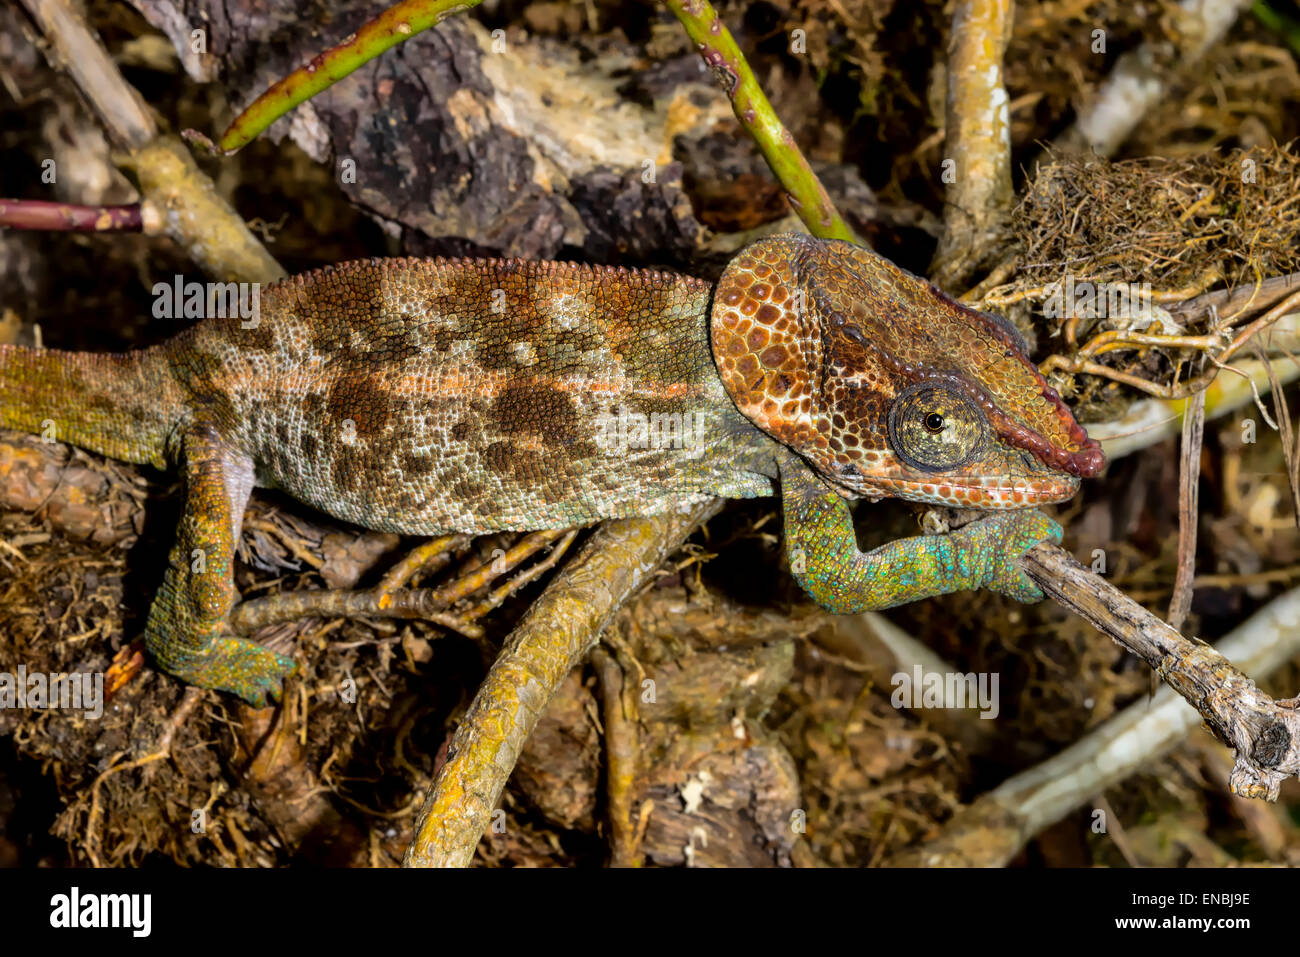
column 186, row 631
column 824, row 556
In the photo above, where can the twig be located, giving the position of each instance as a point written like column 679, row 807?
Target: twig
column 992, row 830
column 1136, row 84
column 480, row 575
column 424, row 557
column 622, row 746
column 74, row 49
column 1229, row 302
column 528, row 575
column 1189, row 482
column 412, row 603
column 389, row 600
column 1115, row 830
column 162, row 750
column 717, row 47
column 399, row 22
column 69, row 217
column 1264, row 733
column 197, row 218
column 1285, row 431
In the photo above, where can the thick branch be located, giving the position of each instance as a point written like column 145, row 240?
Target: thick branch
column 193, row 215
column 558, row 631
column 978, row 134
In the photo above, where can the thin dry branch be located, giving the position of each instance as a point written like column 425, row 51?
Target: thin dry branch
column 421, row 604
column 389, row 600
column 1189, row 483
column 76, row 50
column 69, row 217
column 622, row 749
column 1265, row 734
column 1138, row 82
column 992, row 830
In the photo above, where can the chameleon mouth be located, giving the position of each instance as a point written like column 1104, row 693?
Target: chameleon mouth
column 1077, row 454
column 985, row 491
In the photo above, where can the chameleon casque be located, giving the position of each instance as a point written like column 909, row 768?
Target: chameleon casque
column 427, row 396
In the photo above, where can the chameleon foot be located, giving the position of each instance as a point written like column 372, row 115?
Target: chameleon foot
column 1002, row 539
column 239, row 666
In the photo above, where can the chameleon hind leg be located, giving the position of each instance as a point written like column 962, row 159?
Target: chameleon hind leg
column 186, row 632
column 823, row 552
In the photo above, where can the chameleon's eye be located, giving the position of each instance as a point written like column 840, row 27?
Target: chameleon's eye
column 935, row 429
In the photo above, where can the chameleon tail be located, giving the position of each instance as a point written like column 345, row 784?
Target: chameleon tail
column 123, row 405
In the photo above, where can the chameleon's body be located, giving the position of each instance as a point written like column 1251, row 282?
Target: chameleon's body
column 423, row 396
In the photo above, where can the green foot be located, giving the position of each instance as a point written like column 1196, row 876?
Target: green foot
column 239, row 666
column 1005, row 538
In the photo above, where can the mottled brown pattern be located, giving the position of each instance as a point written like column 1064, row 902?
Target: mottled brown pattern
column 428, row 396
column 422, row 396
column 816, row 340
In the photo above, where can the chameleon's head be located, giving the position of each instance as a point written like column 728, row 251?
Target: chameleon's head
column 888, row 387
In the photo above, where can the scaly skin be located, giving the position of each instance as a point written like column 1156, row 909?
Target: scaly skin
column 427, row 396
column 824, row 557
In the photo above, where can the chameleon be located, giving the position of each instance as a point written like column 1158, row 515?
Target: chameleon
column 427, row 396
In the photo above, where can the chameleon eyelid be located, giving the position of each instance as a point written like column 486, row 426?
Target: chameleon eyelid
column 895, row 426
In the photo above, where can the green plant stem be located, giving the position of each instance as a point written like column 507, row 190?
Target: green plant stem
column 398, row 23
column 716, row 45
column 718, row 48
column 1283, row 26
